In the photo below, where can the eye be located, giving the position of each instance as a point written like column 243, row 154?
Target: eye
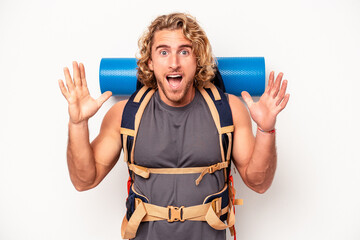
column 163, row 53
column 184, row 52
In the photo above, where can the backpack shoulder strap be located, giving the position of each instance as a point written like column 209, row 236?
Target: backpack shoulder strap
column 131, row 118
column 221, row 113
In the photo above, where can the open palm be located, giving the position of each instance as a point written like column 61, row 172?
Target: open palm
column 81, row 105
column 270, row 104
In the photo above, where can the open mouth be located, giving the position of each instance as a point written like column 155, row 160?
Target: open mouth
column 174, row 80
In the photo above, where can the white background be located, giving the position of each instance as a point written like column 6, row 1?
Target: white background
column 315, row 194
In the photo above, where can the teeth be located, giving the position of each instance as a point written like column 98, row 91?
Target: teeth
column 174, row 76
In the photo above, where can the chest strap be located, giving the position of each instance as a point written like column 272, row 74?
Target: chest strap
column 145, row 172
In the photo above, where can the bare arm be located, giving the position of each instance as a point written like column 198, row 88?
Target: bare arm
column 255, row 157
column 89, row 163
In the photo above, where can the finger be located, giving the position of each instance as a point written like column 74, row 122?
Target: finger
column 69, row 82
column 270, row 82
column 283, row 104
column 277, row 84
column 63, row 89
column 76, row 72
column 247, row 98
column 103, row 98
column 282, row 92
column 82, row 75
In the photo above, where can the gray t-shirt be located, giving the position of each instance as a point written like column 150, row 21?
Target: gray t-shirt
column 177, row 137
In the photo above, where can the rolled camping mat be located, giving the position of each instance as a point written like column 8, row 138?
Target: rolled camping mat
column 118, row 75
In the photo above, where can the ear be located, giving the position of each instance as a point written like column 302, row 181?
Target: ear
column 150, row 64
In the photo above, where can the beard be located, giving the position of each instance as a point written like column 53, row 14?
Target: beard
column 176, row 96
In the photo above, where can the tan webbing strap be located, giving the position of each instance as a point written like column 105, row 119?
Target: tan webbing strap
column 138, row 118
column 140, row 93
column 214, row 91
column 238, row 201
column 228, row 154
column 232, row 230
column 127, row 131
column 213, row 220
column 139, row 170
column 126, row 154
column 129, row 228
column 232, row 193
column 172, row 214
column 227, row 129
column 145, row 212
column 234, row 202
column 215, row 116
column 212, row 169
column 145, row 172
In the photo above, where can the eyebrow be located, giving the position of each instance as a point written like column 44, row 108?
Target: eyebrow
column 167, row 46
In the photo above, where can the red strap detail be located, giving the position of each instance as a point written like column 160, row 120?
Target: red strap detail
column 129, row 185
column 231, row 181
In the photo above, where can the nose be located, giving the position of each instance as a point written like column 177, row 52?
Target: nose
column 174, row 62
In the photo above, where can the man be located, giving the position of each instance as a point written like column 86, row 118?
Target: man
column 176, row 129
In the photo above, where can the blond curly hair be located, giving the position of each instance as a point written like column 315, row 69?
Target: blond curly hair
column 205, row 62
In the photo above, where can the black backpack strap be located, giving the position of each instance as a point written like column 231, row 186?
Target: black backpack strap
column 222, row 116
column 131, row 117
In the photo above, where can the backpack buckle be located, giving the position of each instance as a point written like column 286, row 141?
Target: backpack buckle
column 216, row 205
column 176, row 214
column 214, row 168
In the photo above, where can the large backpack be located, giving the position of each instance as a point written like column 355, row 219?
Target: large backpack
column 216, row 208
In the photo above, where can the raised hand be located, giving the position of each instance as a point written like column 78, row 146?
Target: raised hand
column 81, row 105
column 271, row 103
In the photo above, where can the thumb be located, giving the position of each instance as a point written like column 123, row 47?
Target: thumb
column 247, row 98
column 103, row 98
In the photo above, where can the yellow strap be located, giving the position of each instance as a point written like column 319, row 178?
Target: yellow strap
column 139, row 170
column 227, row 129
column 214, row 221
column 138, row 118
column 140, row 93
column 126, row 131
column 238, row 202
column 228, row 155
column 194, row 213
column 212, row 108
column 214, row 91
column 126, row 154
column 145, row 212
column 129, row 132
column 232, row 230
column 212, row 169
column 215, row 116
column 145, row 172
column 232, row 193
column 156, row 213
column 129, row 228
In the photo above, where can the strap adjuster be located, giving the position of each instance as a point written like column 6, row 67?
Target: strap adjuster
column 216, row 205
column 214, row 168
column 176, row 214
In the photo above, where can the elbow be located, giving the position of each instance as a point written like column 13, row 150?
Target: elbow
column 261, row 190
column 81, row 188
column 82, row 184
column 259, row 182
